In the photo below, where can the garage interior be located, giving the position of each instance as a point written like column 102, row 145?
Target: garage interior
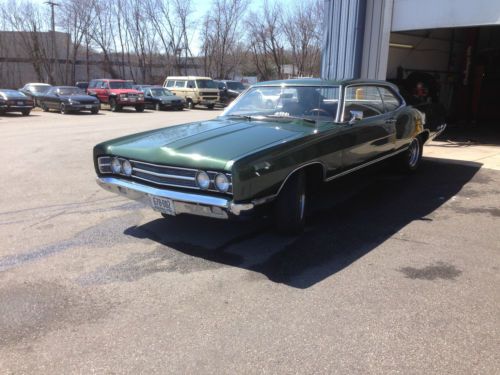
column 459, row 68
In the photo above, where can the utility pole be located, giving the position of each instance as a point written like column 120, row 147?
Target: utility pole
column 53, row 4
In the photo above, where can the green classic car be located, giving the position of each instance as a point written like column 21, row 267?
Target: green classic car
column 266, row 149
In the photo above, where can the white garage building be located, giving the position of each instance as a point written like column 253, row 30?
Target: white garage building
column 450, row 47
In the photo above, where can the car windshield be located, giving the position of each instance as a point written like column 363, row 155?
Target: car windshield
column 235, row 85
column 120, row 85
column 205, row 84
column 69, row 91
column 305, row 102
column 41, row 89
column 161, row 92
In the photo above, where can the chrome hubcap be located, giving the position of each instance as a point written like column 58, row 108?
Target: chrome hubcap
column 414, row 153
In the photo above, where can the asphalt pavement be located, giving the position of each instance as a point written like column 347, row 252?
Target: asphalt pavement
column 394, row 274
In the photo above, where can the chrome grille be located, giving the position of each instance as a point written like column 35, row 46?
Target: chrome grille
column 170, row 176
column 163, row 175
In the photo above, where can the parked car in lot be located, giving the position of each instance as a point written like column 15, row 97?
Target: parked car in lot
column 140, row 87
column 229, row 90
column 255, row 155
column 66, row 99
column 15, row 101
column 194, row 90
column 118, row 93
column 34, row 90
column 159, row 98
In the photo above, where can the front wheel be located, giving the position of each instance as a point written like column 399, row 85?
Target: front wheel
column 211, row 106
column 113, row 106
column 94, row 111
column 44, row 107
column 63, row 109
column 139, row 108
column 290, row 206
column 409, row 160
column 190, row 104
column 26, row 112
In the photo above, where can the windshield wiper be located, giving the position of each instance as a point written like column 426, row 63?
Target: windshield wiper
column 311, row 121
column 246, row 117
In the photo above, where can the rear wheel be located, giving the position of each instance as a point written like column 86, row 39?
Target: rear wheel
column 211, row 106
column 290, row 206
column 409, row 160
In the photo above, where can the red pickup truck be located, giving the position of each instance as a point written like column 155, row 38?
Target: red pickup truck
column 118, row 93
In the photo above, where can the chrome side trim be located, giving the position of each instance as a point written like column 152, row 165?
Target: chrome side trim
column 196, row 204
column 366, row 164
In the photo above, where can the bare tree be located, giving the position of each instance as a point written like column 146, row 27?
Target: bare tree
column 221, row 35
column 266, row 40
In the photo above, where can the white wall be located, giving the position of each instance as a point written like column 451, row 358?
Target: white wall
column 430, row 14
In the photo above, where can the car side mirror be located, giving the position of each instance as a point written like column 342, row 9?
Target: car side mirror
column 355, row 116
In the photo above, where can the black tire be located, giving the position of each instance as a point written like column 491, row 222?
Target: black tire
column 190, row 104
column 409, row 160
column 211, row 106
column 290, row 206
column 44, row 107
column 62, row 109
column 113, row 107
column 26, row 112
column 94, row 111
column 139, row 108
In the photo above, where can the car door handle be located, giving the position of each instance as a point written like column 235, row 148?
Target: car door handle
column 390, row 121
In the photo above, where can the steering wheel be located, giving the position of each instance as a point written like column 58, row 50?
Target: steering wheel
column 319, row 110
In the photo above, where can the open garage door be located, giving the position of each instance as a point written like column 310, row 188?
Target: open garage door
column 458, row 68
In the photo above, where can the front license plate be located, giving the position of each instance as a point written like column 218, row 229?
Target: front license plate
column 88, row 106
column 20, row 103
column 164, row 205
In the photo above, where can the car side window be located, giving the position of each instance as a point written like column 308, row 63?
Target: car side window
column 104, row 85
column 364, row 99
column 180, row 84
column 391, row 102
column 191, row 84
column 170, row 83
column 92, row 84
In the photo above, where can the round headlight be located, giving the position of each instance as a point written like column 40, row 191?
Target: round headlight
column 116, row 166
column 127, row 168
column 221, row 182
column 203, row 180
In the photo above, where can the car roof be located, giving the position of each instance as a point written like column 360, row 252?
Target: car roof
column 324, row 82
column 6, row 91
column 112, row 80
column 65, row 87
column 188, row 77
column 38, row 84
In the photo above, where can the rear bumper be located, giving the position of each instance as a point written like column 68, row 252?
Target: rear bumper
column 15, row 108
column 189, row 203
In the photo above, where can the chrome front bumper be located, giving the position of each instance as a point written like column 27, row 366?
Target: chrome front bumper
column 189, row 203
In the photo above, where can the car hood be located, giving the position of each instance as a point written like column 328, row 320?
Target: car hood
column 169, row 97
column 77, row 97
column 211, row 144
column 125, row 91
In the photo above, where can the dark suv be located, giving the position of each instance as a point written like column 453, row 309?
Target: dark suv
column 118, row 93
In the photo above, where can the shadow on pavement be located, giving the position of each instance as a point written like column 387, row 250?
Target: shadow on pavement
column 349, row 218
